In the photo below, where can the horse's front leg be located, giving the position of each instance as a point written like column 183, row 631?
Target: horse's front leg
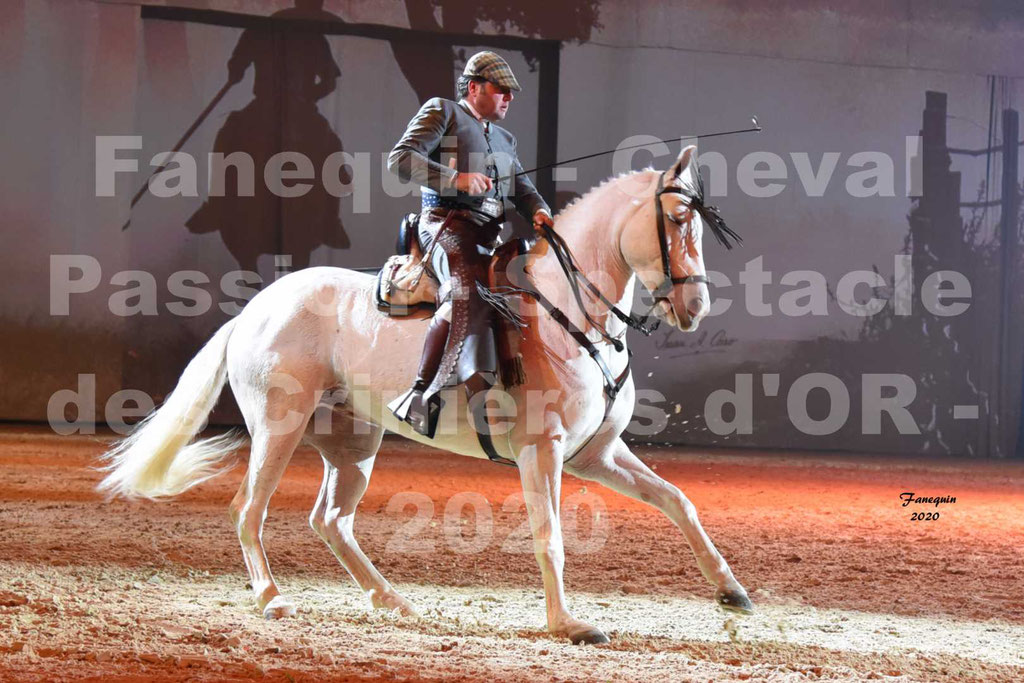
column 540, row 470
column 616, row 467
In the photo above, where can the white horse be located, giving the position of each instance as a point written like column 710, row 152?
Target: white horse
column 317, row 333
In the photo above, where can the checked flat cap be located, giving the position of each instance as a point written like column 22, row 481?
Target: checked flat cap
column 492, row 67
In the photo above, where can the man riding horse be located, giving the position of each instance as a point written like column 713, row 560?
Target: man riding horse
column 462, row 211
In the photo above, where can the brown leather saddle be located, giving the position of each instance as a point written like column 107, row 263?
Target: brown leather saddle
column 485, row 328
column 406, row 285
column 505, row 328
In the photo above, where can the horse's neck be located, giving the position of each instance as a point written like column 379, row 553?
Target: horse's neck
column 592, row 229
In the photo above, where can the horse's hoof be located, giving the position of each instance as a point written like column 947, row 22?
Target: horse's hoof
column 403, row 609
column 590, row 636
column 734, row 601
column 393, row 602
column 279, row 608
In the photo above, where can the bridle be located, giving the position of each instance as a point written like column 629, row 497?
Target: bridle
column 647, row 323
column 660, row 293
column 695, row 195
column 612, row 383
column 695, row 200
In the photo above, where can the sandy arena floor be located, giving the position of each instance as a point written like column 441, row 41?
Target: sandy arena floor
column 846, row 586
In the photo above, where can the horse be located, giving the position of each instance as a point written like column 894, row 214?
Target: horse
column 316, row 333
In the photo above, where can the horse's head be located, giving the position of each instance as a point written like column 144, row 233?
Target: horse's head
column 661, row 243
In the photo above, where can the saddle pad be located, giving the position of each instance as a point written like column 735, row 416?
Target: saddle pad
column 404, row 286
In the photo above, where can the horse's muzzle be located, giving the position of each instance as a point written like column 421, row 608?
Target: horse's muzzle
column 697, row 307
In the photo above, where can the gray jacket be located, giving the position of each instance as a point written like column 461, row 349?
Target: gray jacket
column 443, row 128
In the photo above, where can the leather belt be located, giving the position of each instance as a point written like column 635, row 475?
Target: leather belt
column 491, row 207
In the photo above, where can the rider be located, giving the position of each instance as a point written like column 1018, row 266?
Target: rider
column 462, row 209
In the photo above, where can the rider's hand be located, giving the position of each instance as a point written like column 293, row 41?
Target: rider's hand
column 471, row 183
column 542, row 218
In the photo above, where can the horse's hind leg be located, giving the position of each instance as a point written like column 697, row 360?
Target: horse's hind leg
column 235, row 512
column 617, row 468
column 276, row 432
column 348, row 459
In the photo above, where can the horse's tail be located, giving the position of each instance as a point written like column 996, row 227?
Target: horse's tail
column 157, row 458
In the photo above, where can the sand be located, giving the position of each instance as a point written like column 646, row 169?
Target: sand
column 846, row 585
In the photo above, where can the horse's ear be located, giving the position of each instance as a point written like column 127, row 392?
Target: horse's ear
column 687, row 155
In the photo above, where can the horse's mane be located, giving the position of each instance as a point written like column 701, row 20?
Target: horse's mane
column 590, row 194
column 695, row 195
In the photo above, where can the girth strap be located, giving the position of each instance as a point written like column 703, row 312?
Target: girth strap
column 612, row 384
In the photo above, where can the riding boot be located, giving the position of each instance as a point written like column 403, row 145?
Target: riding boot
column 413, row 407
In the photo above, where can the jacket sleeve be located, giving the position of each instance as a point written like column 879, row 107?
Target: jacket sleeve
column 410, row 159
column 525, row 196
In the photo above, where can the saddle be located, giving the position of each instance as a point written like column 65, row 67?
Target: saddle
column 407, row 285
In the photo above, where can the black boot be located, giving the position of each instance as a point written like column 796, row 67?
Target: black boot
column 411, row 407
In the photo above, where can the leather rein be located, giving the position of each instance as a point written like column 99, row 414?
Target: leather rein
column 646, row 324
column 642, row 323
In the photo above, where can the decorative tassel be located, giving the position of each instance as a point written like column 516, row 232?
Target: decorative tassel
column 506, row 330
column 713, row 220
column 513, row 372
column 499, row 299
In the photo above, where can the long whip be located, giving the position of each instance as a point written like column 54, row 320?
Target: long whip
column 756, row 128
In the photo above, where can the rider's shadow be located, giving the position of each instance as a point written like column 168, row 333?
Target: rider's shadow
column 293, row 70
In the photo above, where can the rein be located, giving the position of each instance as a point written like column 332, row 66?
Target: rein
column 643, row 323
column 574, row 276
column 694, row 195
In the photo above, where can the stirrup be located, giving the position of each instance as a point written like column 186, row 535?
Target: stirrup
column 417, row 411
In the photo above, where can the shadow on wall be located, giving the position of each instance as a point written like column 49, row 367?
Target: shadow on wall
column 294, row 69
column 429, row 67
column 946, row 357
column 973, row 358
column 950, row 358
